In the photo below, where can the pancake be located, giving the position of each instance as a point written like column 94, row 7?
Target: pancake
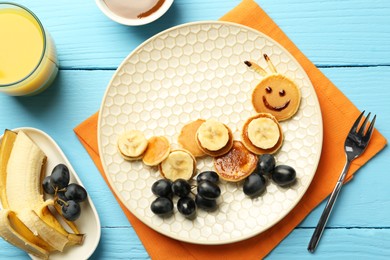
column 180, row 164
column 187, row 138
column 249, row 144
column 237, row 164
column 132, row 145
column 278, row 95
column 221, row 151
column 158, row 149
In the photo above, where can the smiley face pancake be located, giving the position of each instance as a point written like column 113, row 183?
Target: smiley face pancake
column 277, row 95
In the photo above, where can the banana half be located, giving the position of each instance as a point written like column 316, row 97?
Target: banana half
column 132, row 145
column 180, row 164
column 262, row 134
column 237, row 164
column 214, row 138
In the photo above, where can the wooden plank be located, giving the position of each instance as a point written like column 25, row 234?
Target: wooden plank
column 353, row 32
column 122, row 243
column 336, row 244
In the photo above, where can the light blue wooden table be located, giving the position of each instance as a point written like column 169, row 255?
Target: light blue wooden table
column 348, row 40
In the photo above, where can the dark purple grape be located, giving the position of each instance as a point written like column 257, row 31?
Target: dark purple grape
column 76, row 192
column 181, row 188
column 208, row 176
column 60, row 176
column 284, row 175
column 47, row 187
column 266, row 164
column 254, row 185
column 162, row 206
column 186, row 206
column 61, row 197
column 205, row 203
column 71, row 210
column 208, row 190
column 162, row 188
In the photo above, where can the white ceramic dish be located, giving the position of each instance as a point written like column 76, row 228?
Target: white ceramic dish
column 133, row 21
column 89, row 222
column 196, row 71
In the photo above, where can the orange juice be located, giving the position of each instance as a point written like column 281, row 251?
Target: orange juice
column 28, row 61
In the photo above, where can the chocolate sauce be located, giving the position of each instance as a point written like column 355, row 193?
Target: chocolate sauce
column 152, row 10
column 279, row 108
column 134, row 9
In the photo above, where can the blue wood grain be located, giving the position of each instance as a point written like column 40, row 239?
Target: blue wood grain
column 352, row 37
column 353, row 32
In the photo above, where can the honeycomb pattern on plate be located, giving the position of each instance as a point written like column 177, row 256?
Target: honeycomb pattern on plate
column 197, row 71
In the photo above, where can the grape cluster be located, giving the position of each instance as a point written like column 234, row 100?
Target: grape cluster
column 255, row 184
column 68, row 196
column 208, row 190
column 205, row 198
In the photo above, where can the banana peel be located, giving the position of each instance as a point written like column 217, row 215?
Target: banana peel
column 47, row 216
column 6, row 146
column 33, row 228
column 70, row 224
column 16, row 233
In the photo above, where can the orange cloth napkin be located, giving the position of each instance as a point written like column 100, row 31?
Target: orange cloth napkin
column 338, row 116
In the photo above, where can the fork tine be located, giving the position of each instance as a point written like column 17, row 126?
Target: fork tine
column 356, row 124
column 370, row 129
column 363, row 126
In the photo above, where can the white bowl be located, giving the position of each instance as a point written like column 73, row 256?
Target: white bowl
column 134, row 21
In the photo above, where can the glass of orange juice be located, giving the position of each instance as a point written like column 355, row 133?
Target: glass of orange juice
column 28, row 59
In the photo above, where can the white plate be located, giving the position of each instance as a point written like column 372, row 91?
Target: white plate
column 196, row 71
column 88, row 222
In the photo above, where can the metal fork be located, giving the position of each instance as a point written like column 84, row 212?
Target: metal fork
column 355, row 144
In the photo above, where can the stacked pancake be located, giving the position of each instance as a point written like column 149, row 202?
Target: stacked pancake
column 262, row 134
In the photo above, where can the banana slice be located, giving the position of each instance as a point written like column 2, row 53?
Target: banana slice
column 262, row 134
column 214, row 138
column 180, row 164
column 132, row 145
column 213, row 135
column 158, row 149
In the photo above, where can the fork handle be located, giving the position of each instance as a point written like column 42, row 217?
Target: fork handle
column 315, row 239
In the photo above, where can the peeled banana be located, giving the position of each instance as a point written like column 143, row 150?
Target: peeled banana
column 26, row 220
